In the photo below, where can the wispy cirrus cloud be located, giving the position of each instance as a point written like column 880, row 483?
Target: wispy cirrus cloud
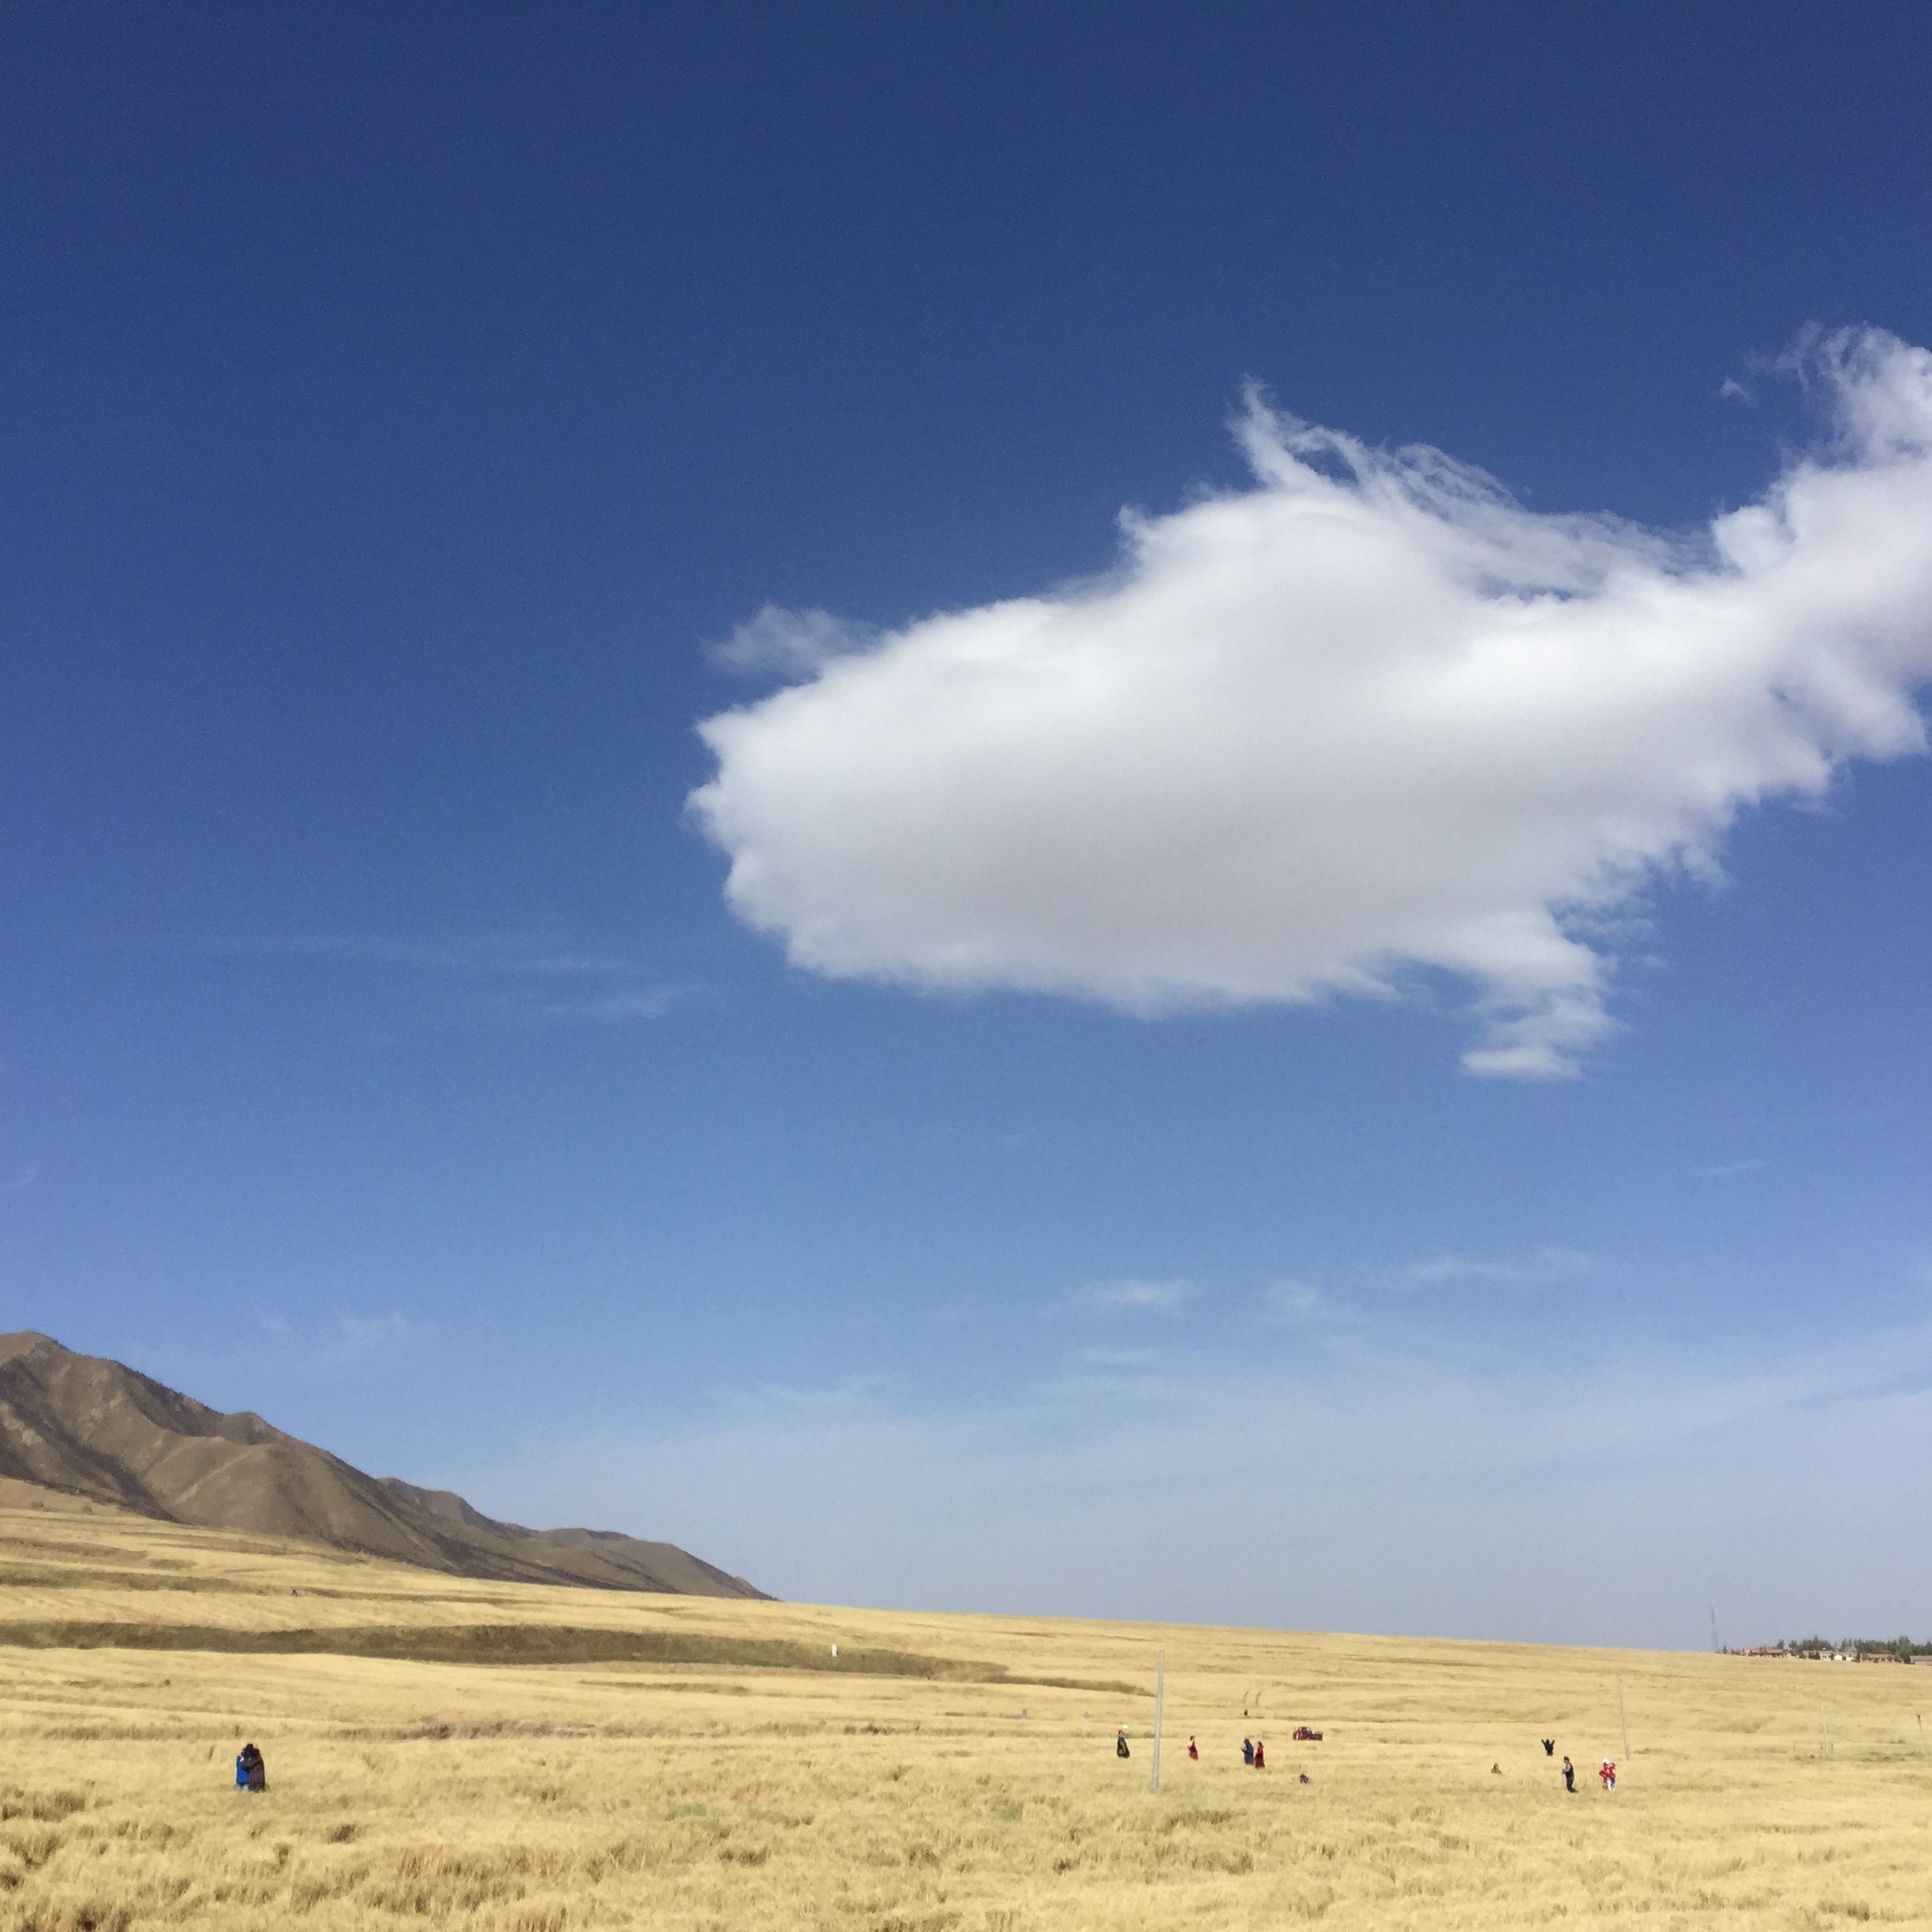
column 1115, row 1358
column 342, row 1340
column 1134, row 1297
column 1502, row 1487
column 775, row 642
column 1539, row 1268
column 1365, row 721
column 287, row 1347
column 1300, row 1304
column 497, row 979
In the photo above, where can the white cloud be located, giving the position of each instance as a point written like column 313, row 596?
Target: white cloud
column 1367, row 716
column 1161, row 1297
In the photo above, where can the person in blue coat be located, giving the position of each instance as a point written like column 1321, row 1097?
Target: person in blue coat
column 251, row 1772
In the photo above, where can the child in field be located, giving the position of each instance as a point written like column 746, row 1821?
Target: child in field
column 1608, row 1776
column 1568, row 1775
column 1260, row 1760
column 1120, row 1744
column 1193, row 1750
column 251, row 1772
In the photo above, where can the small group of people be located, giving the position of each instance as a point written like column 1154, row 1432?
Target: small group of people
column 1606, row 1772
column 251, row 1770
column 1253, row 1751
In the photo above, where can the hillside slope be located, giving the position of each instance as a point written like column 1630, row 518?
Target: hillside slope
column 81, row 1425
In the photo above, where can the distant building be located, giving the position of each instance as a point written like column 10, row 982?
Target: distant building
column 1826, row 1656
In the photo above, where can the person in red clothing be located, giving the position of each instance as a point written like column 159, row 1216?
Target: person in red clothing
column 1607, row 1775
column 1193, row 1750
column 1260, row 1761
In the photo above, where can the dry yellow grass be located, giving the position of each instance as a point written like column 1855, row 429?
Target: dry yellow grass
column 700, row 1796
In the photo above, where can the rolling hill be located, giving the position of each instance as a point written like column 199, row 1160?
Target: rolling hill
column 82, row 1426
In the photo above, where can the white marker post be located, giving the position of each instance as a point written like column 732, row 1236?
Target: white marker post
column 1624, row 1717
column 1160, row 1692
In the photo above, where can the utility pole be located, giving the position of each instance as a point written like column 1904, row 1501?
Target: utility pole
column 1715, row 1645
column 1160, row 1691
column 1624, row 1715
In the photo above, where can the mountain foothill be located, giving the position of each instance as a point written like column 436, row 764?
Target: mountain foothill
column 79, row 1430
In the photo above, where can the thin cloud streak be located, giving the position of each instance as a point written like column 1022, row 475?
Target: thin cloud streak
column 1540, row 1268
column 1368, row 723
column 505, row 980
column 1159, row 1298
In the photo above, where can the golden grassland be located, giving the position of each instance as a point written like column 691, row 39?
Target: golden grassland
column 707, row 1766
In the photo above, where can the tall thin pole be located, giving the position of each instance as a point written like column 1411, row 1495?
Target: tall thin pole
column 1160, row 1692
column 1624, row 1715
column 1715, row 1645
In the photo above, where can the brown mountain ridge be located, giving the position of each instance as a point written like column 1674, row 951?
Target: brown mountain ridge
column 82, row 1426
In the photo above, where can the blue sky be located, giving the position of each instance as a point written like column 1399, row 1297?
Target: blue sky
column 1183, row 1111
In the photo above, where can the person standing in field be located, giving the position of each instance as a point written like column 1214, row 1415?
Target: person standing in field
column 1193, row 1750
column 1607, row 1777
column 1120, row 1744
column 1568, row 1775
column 251, row 1770
column 1247, row 1750
column 1260, row 1758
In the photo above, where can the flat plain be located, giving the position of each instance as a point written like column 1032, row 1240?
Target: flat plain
column 524, row 1758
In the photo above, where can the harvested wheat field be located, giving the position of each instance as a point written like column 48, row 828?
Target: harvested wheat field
column 528, row 1758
